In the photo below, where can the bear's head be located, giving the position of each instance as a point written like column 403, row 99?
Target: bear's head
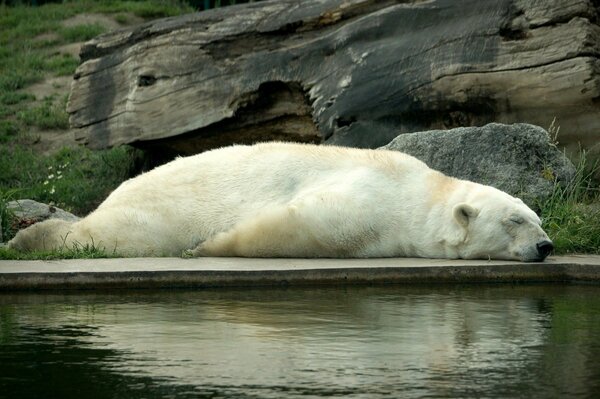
column 495, row 225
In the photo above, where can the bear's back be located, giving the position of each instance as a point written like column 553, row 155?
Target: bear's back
column 262, row 173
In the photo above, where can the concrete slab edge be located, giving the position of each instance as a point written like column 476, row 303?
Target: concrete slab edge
column 203, row 273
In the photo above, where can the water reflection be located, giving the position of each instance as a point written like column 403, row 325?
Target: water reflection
column 371, row 342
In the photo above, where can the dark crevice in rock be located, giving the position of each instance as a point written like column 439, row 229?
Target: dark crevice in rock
column 146, row 80
column 514, row 27
column 512, row 34
column 277, row 111
column 345, row 121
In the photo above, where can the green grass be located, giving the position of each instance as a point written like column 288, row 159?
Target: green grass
column 61, row 64
column 50, row 114
column 122, row 18
column 29, row 35
column 15, row 97
column 8, row 130
column 75, row 179
column 79, row 33
column 571, row 216
column 78, row 252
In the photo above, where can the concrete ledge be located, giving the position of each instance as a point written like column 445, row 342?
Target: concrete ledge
column 244, row 272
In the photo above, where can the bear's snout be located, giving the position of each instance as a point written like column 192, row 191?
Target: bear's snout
column 544, row 248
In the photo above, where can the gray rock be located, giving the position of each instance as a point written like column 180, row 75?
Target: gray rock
column 518, row 159
column 26, row 212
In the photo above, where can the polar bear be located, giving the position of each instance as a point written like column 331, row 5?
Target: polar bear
column 301, row 200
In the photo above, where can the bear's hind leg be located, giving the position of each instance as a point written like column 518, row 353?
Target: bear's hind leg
column 273, row 233
column 323, row 224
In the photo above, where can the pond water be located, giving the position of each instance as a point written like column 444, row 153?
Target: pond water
column 485, row 341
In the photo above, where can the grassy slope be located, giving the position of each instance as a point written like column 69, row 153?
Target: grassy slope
column 74, row 178
column 78, row 179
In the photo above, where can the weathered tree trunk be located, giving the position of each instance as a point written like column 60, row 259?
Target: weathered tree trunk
column 353, row 72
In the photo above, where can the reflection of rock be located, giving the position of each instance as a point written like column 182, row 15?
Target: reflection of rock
column 349, row 72
column 518, row 159
column 27, row 212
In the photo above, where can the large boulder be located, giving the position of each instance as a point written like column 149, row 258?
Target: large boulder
column 519, row 159
column 348, row 72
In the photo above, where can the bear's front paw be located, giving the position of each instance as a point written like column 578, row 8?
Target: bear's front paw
column 195, row 252
column 188, row 253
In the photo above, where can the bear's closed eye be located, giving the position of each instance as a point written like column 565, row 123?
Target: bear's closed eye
column 517, row 219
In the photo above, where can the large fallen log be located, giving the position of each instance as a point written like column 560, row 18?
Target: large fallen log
column 352, row 72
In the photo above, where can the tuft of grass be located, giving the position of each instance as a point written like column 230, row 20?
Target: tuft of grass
column 61, row 64
column 122, row 18
column 8, row 129
column 81, row 33
column 20, row 71
column 77, row 252
column 48, row 115
column 571, row 216
column 15, row 97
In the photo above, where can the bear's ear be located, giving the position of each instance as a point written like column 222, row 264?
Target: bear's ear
column 463, row 213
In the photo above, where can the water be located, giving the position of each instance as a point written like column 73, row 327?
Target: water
column 491, row 341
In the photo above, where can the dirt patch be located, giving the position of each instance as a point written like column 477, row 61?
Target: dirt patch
column 70, row 49
column 48, row 142
column 91, row 19
column 107, row 21
column 47, row 37
column 55, row 86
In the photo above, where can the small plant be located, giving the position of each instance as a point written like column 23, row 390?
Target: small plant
column 81, row 33
column 122, row 18
column 553, row 131
column 49, row 115
column 62, row 64
column 8, row 129
column 54, row 176
column 15, row 97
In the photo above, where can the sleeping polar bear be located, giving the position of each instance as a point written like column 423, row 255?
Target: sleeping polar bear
column 297, row 200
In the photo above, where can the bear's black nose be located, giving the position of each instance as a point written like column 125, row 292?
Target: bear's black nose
column 544, row 248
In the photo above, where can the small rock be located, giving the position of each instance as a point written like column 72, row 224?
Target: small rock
column 27, row 212
column 518, row 158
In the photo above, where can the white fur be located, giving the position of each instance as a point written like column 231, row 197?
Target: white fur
column 295, row 200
